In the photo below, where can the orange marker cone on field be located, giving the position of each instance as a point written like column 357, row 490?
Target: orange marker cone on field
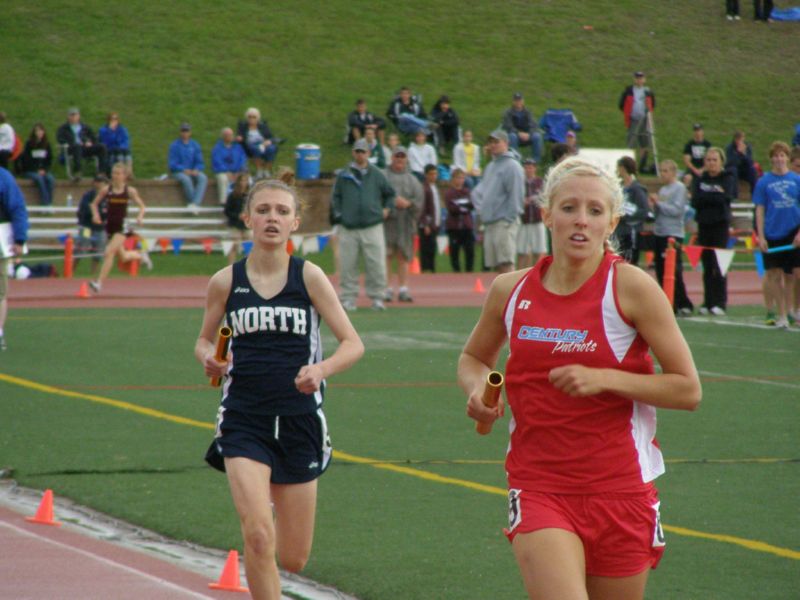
column 478, row 286
column 414, row 268
column 229, row 580
column 83, row 291
column 44, row 515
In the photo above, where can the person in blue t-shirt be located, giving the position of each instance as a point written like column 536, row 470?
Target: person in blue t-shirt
column 777, row 200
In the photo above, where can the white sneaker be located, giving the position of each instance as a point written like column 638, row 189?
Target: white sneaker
column 194, row 209
column 146, row 260
column 703, row 311
column 378, row 305
column 349, row 305
column 782, row 323
column 685, row 312
column 717, row 311
column 96, row 286
column 388, row 295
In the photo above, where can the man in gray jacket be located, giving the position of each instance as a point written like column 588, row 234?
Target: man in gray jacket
column 401, row 225
column 499, row 199
column 362, row 199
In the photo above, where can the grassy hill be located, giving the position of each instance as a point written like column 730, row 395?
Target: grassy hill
column 304, row 63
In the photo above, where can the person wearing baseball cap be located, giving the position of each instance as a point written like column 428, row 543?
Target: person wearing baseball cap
column 522, row 127
column 81, row 142
column 499, row 198
column 186, row 164
column 636, row 102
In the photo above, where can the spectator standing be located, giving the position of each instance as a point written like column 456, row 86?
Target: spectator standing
column 694, row 153
column 762, row 9
column 400, row 226
column 362, row 200
column 669, row 206
column 712, row 193
column 732, row 10
column 777, row 200
column 8, row 140
column 117, row 141
column 421, row 153
column 634, row 211
column 532, row 236
column 636, row 102
column 227, row 161
column 467, row 157
column 186, row 165
column 235, row 213
column 91, row 238
column 740, row 162
column 360, row 120
column 445, row 123
column 458, row 224
column 258, row 142
column 407, row 113
column 36, row 160
column 499, row 199
column 81, row 142
column 14, row 229
column 522, row 128
column 429, row 220
column 377, row 156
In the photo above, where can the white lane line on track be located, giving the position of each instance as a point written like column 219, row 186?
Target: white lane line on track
column 110, row 563
column 728, row 376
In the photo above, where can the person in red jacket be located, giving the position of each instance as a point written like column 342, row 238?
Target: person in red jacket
column 635, row 103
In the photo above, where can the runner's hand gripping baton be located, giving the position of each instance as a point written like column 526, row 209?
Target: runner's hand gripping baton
column 222, row 350
column 491, row 394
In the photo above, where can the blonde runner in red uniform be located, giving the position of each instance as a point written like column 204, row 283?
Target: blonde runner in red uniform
column 583, row 512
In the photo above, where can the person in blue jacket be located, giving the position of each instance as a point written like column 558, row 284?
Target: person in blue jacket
column 186, row 165
column 118, row 143
column 228, row 160
column 13, row 235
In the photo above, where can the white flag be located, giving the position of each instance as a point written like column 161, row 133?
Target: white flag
column 441, row 243
column 724, row 259
column 226, row 247
column 310, row 245
column 297, row 241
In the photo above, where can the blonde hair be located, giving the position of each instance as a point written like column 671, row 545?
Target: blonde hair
column 669, row 164
column 252, row 111
column 575, row 166
column 720, row 152
column 285, row 183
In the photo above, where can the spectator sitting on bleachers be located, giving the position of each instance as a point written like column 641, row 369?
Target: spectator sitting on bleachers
column 421, row 153
column 227, row 161
column 522, row 128
column 407, row 113
column 117, row 141
column 572, row 143
column 392, row 142
column 445, row 124
column 376, row 155
column 740, row 162
column 467, row 157
column 7, row 140
column 360, row 120
column 694, row 153
column 36, row 160
column 79, row 141
column 796, row 138
column 186, row 165
column 258, row 142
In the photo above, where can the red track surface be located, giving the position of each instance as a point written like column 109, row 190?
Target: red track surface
column 446, row 289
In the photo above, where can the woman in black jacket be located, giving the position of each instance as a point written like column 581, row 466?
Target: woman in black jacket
column 712, row 193
column 37, row 158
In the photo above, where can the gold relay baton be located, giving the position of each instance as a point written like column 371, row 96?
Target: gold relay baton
column 491, row 394
column 222, row 350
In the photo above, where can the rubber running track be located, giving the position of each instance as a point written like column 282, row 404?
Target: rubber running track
column 42, row 562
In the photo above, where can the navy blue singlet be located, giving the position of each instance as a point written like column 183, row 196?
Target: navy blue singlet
column 272, row 339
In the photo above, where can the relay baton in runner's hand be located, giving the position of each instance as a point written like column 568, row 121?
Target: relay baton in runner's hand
column 222, row 350
column 491, row 394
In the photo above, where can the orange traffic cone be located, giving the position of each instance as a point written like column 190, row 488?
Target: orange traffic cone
column 83, row 291
column 413, row 267
column 44, row 515
column 478, row 287
column 229, row 580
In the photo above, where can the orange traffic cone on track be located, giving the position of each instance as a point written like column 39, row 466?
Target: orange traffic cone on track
column 44, row 515
column 478, row 287
column 83, row 291
column 413, row 267
column 229, row 580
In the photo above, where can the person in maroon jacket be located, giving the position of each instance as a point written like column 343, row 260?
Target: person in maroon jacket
column 429, row 220
column 458, row 224
column 636, row 102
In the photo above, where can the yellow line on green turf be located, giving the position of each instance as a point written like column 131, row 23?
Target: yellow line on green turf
column 150, row 412
column 489, row 489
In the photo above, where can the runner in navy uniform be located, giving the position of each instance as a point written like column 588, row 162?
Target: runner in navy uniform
column 271, row 437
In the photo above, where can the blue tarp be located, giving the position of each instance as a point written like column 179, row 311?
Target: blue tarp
column 785, row 14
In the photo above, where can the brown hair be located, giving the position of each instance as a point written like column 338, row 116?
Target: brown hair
column 779, row 146
column 285, row 183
